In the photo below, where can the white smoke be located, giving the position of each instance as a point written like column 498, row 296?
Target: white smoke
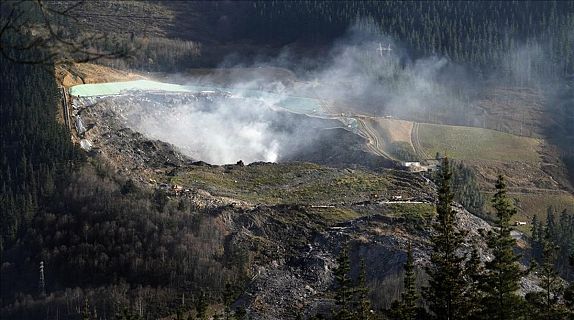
column 223, row 130
column 226, row 130
column 362, row 74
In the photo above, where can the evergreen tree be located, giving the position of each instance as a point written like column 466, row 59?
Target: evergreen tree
column 228, row 298
column 407, row 308
column 474, row 271
column 534, row 228
column 363, row 294
column 201, row 306
column 465, row 188
column 535, row 242
column 560, row 235
column 569, row 299
column 241, row 314
column 550, row 231
column 86, row 314
column 502, row 276
column 541, row 230
column 445, row 293
column 126, row 313
column 344, row 293
column 545, row 303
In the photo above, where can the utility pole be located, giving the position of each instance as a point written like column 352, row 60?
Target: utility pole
column 42, row 283
column 381, row 49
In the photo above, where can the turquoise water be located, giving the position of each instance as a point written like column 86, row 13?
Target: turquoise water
column 292, row 103
column 113, row 88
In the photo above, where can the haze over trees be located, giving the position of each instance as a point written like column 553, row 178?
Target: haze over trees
column 479, row 34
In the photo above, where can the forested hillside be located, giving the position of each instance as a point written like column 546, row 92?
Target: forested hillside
column 518, row 44
column 90, row 228
column 117, row 248
column 477, row 33
column 488, row 36
column 36, row 151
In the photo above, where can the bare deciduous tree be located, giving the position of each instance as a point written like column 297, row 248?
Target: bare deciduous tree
column 31, row 26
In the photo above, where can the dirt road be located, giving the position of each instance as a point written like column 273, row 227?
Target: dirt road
column 415, row 142
column 374, row 144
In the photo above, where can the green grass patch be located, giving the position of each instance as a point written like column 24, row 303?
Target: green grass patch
column 415, row 212
column 332, row 216
column 537, row 204
column 302, row 183
column 529, row 204
column 469, row 143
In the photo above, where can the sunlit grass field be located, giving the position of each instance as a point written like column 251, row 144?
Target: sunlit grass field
column 469, row 143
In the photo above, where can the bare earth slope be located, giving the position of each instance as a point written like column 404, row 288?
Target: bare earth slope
column 290, row 219
column 530, row 164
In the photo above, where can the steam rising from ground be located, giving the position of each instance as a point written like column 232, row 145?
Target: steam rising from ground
column 224, row 130
column 215, row 129
column 360, row 73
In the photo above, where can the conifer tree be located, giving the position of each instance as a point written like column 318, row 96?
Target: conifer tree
column 534, row 228
column 474, row 271
column 406, row 309
column 550, row 231
column 545, row 303
column 363, row 294
column 535, row 238
column 126, row 313
column 86, row 314
column 502, row 276
column 445, row 293
column 228, row 298
column 541, row 230
column 201, row 305
column 568, row 297
column 344, row 293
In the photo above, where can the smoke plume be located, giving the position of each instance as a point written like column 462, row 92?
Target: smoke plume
column 362, row 74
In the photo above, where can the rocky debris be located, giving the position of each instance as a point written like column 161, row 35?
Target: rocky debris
column 293, row 275
column 80, row 128
column 127, row 149
column 201, row 164
column 299, row 283
column 294, row 252
column 326, row 141
column 279, row 290
column 203, row 200
column 86, row 144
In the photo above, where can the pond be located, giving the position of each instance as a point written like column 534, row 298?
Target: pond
column 297, row 104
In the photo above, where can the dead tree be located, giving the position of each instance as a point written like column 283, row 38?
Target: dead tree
column 38, row 26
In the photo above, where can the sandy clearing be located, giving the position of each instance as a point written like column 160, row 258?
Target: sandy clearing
column 82, row 73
